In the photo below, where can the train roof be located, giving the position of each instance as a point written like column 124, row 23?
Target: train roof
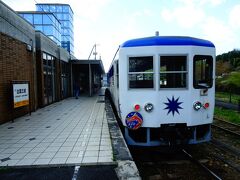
column 167, row 41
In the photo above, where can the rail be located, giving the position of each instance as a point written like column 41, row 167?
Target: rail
column 227, row 122
column 201, row 165
column 226, row 126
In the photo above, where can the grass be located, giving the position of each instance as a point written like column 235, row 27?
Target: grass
column 224, row 96
column 228, row 115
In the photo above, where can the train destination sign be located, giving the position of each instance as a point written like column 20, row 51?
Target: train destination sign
column 20, row 95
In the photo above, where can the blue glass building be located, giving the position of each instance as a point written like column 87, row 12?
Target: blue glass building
column 64, row 14
column 45, row 22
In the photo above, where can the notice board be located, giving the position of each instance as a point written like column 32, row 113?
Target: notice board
column 20, row 94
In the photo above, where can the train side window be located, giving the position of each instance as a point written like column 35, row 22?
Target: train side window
column 173, row 71
column 117, row 74
column 202, row 72
column 140, row 74
column 110, row 78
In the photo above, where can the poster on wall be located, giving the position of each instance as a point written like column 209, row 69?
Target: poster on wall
column 20, row 94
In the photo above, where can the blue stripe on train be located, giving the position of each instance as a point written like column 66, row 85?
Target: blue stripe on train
column 167, row 41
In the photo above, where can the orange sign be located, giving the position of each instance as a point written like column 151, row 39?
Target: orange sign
column 21, row 103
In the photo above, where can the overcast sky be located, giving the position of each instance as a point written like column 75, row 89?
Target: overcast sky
column 109, row 23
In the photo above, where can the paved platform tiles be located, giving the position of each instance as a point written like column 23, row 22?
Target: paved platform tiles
column 72, row 131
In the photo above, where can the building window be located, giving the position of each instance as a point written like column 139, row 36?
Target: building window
column 65, row 16
column 58, row 8
column 59, row 16
column 203, row 72
column 46, row 19
column 39, row 28
column 140, row 72
column 65, row 79
column 52, row 8
column 29, row 18
column 49, row 78
column 173, row 71
column 45, row 8
column 65, row 8
column 37, row 18
column 48, row 30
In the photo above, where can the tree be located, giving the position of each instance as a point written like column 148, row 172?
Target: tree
column 223, row 67
column 231, row 83
column 233, row 57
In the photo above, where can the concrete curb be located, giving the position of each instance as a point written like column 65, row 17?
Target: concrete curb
column 127, row 168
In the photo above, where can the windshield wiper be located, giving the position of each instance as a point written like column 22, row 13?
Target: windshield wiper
column 203, row 85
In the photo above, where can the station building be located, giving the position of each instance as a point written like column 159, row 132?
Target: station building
column 30, row 55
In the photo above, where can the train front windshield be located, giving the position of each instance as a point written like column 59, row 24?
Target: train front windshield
column 203, row 69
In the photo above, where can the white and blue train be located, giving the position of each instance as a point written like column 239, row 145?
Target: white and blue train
column 163, row 89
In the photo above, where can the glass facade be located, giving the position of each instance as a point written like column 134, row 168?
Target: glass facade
column 64, row 14
column 46, row 23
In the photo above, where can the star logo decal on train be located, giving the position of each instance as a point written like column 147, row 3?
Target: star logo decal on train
column 173, row 105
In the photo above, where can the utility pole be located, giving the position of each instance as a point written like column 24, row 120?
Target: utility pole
column 93, row 52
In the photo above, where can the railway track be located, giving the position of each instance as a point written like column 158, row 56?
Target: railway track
column 178, row 164
column 228, row 142
column 205, row 168
column 226, row 126
column 228, row 155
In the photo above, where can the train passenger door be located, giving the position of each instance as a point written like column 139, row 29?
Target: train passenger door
column 203, row 82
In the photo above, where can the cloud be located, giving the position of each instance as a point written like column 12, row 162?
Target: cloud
column 167, row 15
column 219, row 33
column 202, row 2
column 193, row 15
column 217, row 2
column 90, row 9
column 17, row 6
column 186, row 16
column 234, row 17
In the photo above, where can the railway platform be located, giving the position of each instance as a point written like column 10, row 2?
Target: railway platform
column 72, row 132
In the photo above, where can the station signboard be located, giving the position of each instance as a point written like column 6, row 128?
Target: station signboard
column 20, row 94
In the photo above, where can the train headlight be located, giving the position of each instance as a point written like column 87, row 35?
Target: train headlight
column 197, row 105
column 148, row 107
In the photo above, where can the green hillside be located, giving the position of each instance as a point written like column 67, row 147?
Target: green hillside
column 228, row 74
